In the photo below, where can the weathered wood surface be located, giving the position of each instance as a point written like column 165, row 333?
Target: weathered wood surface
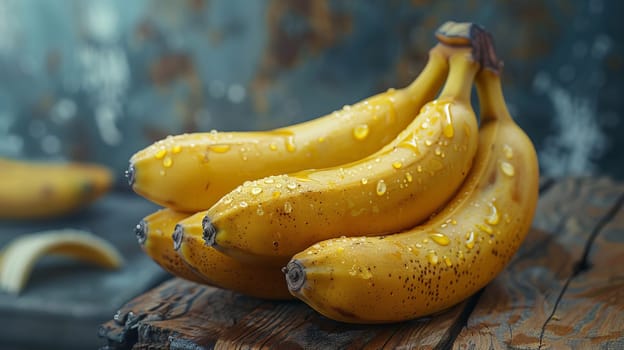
column 532, row 305
column 563, row 289
column 64, row 302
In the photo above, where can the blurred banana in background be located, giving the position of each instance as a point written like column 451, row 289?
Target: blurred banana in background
column 37, row 190
column 32, row 190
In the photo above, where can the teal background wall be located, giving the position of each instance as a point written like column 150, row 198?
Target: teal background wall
column 97, row 80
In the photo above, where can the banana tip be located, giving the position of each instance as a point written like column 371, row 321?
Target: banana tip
column 141, row 231
column 295, row 275
column 130, row 174
column 210, row 231
column 178, row 235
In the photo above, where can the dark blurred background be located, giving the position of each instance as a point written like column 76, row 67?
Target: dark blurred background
column 97, row 80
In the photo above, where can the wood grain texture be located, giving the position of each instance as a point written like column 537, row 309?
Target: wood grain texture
column 590, row 312
column 183, row 315
column 64, row 302
column 516, row 308
column 563, row 289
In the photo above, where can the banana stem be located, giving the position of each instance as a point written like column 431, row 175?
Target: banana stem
column 456, row 33
column 491, row 100
column 433, row 74
column 462, row 71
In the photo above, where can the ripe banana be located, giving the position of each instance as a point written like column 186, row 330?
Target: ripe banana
column 30, row 190
column 154, row 236
column 220, row 270
column 440, row 263
column 190, row 172
column 395, row 188
column 19, row 257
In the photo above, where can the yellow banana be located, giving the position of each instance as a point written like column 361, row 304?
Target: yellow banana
column 220, row 270
column 39, row 190
column 440, row 263
column 395, row 188
column 19, row 257
column 190, row 172
column 154, row 236
column 198, row 263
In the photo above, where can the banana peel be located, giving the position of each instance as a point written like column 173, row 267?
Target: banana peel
column 20, row 256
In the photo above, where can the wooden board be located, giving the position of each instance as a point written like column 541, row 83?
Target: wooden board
column 562, row 289
column 64, row 302
column 523, row 307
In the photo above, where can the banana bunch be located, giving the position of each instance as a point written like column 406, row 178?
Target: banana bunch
column 34, row 190
column 434, row 265
column 397, row 207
